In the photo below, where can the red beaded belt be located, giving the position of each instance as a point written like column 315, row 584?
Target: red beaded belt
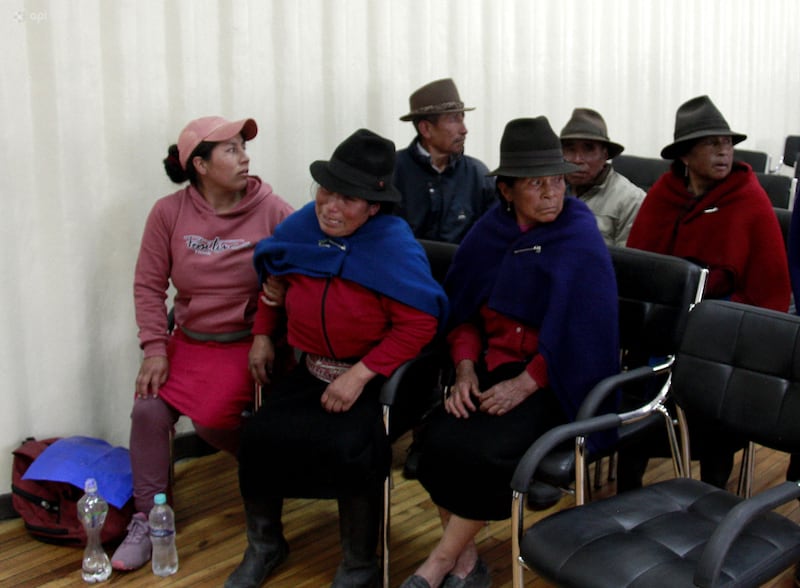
column 325, row 368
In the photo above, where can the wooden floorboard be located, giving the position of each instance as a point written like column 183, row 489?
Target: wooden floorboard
column 211, row 538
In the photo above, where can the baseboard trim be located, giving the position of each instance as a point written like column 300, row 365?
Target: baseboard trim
column 186, row 446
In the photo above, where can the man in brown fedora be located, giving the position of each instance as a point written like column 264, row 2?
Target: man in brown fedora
column 612, row 198
column 444, row 191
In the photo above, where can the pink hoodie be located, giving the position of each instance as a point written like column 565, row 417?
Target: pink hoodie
column 209, row 259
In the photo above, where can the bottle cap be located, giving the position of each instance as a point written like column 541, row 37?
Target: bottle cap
column 160, row 498
column 90, row 486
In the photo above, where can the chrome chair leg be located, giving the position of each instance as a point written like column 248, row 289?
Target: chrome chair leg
column 747, row 471
column 387, row 503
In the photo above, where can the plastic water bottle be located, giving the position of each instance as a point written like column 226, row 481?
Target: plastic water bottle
column 162, row 537
column 92, row 510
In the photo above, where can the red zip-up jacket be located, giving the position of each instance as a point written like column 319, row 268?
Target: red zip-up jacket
column 337, row 318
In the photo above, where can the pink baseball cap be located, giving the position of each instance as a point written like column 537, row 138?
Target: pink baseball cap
column 214, row 129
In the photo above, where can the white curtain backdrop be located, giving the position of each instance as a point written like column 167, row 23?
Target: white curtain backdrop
column 92, row 92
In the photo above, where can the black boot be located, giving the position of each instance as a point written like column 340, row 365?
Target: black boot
column 359, row 526
column 266, row 547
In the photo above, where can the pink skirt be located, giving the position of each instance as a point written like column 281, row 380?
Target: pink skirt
column 208, row 381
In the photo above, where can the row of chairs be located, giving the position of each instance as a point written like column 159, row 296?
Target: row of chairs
column 760, row 160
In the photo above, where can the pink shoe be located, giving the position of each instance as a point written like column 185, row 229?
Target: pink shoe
column 135, row 550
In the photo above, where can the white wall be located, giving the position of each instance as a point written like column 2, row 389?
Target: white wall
column 93, row 91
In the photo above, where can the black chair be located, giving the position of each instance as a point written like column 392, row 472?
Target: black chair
column 655, row 293
column 791, row 150
column 791, row 153
column 758, row 160
column 424, row 374
column 780, row 189
column 642, row 171
column 785, row 221
column 738, row 366
column 412, row 390
column 440, row 255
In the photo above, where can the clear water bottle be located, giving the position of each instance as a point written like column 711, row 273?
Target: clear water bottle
column 92, row 510
column 162, row 537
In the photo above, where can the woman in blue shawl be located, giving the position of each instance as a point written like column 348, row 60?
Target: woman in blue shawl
column 533, row 328
column 359, row 302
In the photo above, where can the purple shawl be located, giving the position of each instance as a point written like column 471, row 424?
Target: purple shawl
column 557, row 278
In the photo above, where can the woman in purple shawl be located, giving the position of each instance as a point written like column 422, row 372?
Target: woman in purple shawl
column 533, row 328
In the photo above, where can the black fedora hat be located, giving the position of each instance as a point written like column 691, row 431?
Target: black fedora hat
column 694, row 120
column 361, row 167
column 588, row 124
column 529, row 149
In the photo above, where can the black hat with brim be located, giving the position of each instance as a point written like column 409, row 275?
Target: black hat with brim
column 360, row 167
column 529, row 149
column 694, row 120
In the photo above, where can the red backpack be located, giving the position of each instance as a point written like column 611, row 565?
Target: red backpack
column 49, row 509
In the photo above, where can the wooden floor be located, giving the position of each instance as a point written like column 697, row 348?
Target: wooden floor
column 211, row 536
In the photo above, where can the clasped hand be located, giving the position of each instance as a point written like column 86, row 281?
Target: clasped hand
column 466, row 396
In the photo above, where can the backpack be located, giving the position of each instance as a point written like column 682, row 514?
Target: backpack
column 49, row 509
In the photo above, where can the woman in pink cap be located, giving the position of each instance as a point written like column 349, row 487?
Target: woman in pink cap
column 200, row 239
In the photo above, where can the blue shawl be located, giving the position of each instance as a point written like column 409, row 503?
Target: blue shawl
column 557, row 278
column 382, row 255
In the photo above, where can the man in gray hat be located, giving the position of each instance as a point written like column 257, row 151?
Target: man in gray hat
column 444, row 191
column 612, row 198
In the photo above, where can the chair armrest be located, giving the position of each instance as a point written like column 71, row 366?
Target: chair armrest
column 603, row 389
column 715, row 551
column 551, row 439
column 428, row 361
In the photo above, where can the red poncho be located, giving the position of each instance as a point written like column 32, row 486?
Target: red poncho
column 732, row 229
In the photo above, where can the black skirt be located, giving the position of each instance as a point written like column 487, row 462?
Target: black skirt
column 466, row 464
column 292, row 447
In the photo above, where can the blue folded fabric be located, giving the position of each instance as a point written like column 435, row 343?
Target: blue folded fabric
column 74, row 459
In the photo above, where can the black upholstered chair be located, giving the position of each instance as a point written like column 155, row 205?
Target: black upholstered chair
column 642, row 171
column 758, row 160
column 785, row 222
column 780, row 189
column 412, row 390
column 738, row 366
column 790, row 156
column 655, row 293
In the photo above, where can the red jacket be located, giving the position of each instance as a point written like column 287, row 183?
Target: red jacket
column 732, row 230
column 506, row 341
column 341, row 319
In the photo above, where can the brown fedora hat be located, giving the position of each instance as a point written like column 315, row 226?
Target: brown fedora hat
column 360, row 167
column 530, row 148
column 587, row 124
column 694, row 120
column 435, row 98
